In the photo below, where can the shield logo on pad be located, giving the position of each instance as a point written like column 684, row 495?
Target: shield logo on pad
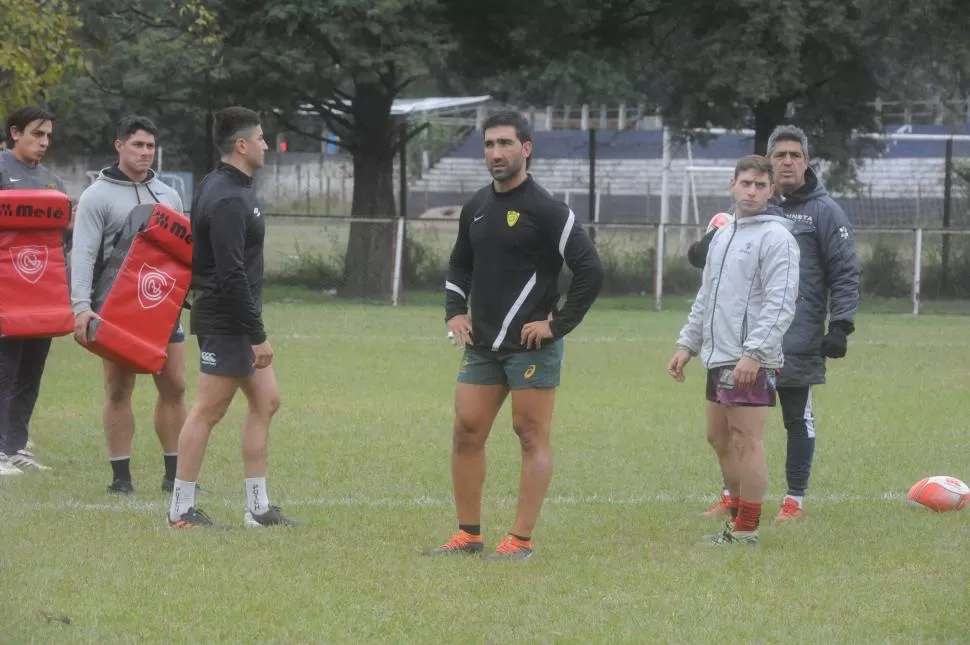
column 154, row 286
column 29, row 261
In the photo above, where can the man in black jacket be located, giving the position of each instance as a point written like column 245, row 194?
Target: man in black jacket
column 227, row 280
column 512, row 240
column 828, row 288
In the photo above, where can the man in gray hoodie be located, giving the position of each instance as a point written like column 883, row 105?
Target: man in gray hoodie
column 745, row 305
column 102, row 212
column 829, row 289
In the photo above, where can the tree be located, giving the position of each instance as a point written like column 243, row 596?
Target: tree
column 158, row 58
column 923, row 53
column 342, row 62
column 552, row 51
column 37, row 48
column 347, row 60
column 816, row 63
column 745, row 63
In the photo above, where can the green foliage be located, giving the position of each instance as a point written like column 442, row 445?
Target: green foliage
column 886, row 273
column 951, row 281
column 38, row 47
column 141, row 59
column 345, row 60
column 309, row 269
column 425, row 268
column 749, row 60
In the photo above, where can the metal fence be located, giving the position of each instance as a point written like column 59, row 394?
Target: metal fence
column 914, row 270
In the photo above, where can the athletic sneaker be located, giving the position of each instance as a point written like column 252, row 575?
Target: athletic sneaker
column 512, row 548
column 461, row 542
column 272, row 517
column 730, row 536
column 26, row 461
column 7, row 468
column 194, row 518
column 790, row 510
column 723, row 507
column 121, row 487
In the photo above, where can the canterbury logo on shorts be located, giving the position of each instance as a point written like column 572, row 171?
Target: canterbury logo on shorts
column 208, row 358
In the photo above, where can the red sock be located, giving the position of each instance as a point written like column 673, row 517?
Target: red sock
column 749, row 514
column 733, row 503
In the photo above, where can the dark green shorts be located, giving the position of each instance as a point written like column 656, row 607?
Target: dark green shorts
column 516, row 370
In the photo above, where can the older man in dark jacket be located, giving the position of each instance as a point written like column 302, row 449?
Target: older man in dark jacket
column 828, row 289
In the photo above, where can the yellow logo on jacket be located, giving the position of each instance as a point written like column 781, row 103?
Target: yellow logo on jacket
column 511, row 218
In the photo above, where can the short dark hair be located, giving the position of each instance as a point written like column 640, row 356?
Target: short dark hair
column 758, row 164
column 22, row 117
column 512, row 118
column 228, row 124
column 129, row 125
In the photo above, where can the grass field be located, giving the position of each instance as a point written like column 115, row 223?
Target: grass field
column 360, row 453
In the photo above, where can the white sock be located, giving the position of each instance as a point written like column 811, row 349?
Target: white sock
column 183, row 498
column 257, row 500
column 797, row 498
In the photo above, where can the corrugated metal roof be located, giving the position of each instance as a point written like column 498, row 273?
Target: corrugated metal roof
column 435, row 103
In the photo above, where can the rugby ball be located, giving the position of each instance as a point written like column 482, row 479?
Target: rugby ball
column 939, row 494
column 719, row 221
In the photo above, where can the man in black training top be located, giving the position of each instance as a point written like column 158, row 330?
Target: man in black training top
column 512, row 240
column 227, row 279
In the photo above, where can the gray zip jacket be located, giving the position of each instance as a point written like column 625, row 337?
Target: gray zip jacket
column 101, row 215
column 747, row 297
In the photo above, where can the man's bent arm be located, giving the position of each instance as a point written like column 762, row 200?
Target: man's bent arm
column 458, row 284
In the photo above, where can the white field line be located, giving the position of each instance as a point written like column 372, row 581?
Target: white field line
column 210, row 499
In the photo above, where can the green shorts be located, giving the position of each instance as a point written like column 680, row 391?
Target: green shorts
column 539, row 368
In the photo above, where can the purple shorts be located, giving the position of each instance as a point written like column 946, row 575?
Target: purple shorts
column 720, row 388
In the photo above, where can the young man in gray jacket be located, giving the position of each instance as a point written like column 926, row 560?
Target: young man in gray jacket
column 102, row 213
column 745, row 305
column 829, row 288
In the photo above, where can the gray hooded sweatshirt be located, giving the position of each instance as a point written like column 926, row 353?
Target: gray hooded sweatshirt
column 747, row 297
column 101, row 215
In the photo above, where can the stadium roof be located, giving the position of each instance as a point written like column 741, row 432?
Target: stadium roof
column 430, row 107
column 437, row 103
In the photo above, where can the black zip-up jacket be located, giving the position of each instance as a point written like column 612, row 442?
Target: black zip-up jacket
column 507, row 260
column 227, row 256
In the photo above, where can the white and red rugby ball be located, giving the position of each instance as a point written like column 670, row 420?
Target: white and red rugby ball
column 719, row 221
column 940, row 494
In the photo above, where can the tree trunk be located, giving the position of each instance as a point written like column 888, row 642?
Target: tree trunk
column 369, row 263
column 767, row 116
